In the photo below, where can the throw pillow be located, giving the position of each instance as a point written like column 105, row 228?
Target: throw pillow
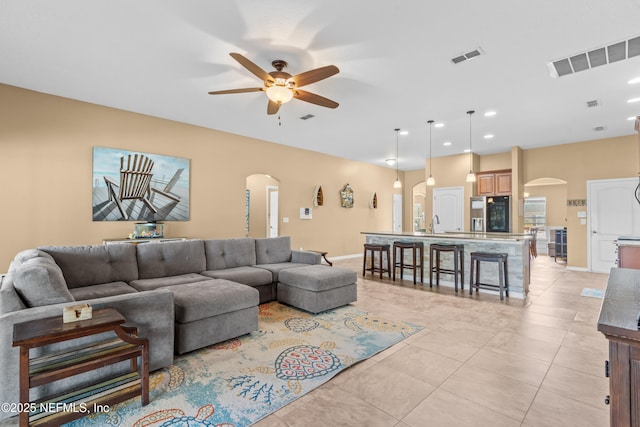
column 39, row 281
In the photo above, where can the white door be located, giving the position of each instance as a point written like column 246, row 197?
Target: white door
column 448, row 205
column 613, row 211
column 397, row 213
column 272, row 212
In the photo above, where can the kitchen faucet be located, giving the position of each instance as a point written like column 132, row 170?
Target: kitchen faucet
column 437, row 221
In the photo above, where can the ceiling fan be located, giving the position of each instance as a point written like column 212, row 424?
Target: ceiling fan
column 281, row 86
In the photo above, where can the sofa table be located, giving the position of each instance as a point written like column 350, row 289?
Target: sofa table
column 36, row 371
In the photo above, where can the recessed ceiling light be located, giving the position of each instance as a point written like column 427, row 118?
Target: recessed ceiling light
column 466, row 150
column 488, row 136
column 490, row 114
column 446, row 144
column 404, row 132
column 438, row 125
column 632, row 100
column 631, row 118
column 390, row 162
column 634, row 81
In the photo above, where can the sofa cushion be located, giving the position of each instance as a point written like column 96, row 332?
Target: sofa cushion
column 275, row 269
column 196, row 301
column 93, row 265
column 230, row 253
column 251, row 276
column 273, row 250
column 170, row 258
column 26, row 255
column 318, row 277
column 9, row 299
column 103, row 290
column 163, row 282
column 39, row 281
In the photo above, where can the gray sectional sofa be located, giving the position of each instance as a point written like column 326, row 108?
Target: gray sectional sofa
column 181, row 295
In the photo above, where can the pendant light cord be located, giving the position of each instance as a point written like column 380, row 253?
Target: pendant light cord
column 397, row 161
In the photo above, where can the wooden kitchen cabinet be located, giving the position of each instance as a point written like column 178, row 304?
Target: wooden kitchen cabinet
column 494, row 183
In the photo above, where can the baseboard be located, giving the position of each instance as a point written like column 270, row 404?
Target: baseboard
column 577, row 268
column 345, row 256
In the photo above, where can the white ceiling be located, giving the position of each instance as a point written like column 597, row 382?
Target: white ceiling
column 161, row 57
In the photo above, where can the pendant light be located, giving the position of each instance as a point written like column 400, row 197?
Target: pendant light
column 430, row 180
column 398, row 183
column 471, row 177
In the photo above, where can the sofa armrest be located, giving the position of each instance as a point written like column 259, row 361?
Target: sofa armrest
column 151, row 312
column 306, row 257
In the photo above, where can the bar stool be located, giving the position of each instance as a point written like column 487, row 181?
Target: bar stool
column 417, row 248
column 458, row 263
column 373, row 248
column 503, row 277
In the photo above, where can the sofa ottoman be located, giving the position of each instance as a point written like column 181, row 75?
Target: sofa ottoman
column 317, row 288
column 212, row 311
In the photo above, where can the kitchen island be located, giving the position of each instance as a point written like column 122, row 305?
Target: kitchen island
column 513, row 244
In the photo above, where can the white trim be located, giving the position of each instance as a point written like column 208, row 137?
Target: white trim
column 346, row 256
column 579, row 269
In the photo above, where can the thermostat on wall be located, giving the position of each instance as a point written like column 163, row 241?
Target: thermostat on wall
column 305, row 213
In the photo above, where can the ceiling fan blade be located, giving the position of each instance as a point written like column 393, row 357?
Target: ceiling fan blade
column 272, row 107
column 314, row 99
column 256, row 70
column 314, row 75
column 224, row 92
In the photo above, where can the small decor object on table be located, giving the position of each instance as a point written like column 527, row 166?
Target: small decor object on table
column 143, row 230
column 40, row 370
column 75, row 313
column 346, row 196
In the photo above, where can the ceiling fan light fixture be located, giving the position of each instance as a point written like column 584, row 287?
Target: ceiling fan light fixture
column 279, row 94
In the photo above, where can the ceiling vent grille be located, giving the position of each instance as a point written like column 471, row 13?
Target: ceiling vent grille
column 593, row 104
column 594, row 58
column 468, row 56
column 599, row 128
column 307, row 117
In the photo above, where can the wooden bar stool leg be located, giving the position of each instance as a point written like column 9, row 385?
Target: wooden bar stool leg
column 388, row 263
column 462, row 270
column 364, row 263
column 380, row 261
column 415, row 268
column 501, row 280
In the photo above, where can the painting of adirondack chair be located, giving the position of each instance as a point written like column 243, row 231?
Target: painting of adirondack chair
column 138, row 182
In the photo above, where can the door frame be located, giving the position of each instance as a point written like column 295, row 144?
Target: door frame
column 591, row 208
column 271, row 210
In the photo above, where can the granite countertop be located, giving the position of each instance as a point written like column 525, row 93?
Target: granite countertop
column 621, row 303
column 628, row 241
column 468, row 235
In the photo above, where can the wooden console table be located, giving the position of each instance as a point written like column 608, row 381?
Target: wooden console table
column 36, row 371
column 619, row 323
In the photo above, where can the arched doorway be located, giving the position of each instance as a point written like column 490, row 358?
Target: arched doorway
column 545, row 207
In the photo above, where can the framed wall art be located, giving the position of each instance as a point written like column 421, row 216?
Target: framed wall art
column 135, row 186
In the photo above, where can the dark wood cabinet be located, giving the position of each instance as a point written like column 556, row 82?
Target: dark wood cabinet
column 560, row 244
column 628, row 256
column 618, row 322
column 494, row 183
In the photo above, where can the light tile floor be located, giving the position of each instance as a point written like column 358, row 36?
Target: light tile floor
column 478, row 361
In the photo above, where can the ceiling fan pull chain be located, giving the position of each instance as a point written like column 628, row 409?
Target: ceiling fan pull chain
column 279, row 121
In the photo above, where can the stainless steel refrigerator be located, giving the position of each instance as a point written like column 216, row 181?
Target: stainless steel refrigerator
column 491, row 214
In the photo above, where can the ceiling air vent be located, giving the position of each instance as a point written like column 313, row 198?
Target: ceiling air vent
column 599, row 128
column 307, row 117
column 467, row 56
column 593, row 104
column 594, row 58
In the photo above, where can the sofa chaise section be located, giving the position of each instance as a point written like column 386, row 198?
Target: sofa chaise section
column 275, row 255
column 234, row 259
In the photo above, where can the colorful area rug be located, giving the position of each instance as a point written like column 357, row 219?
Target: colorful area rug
column 240, row 381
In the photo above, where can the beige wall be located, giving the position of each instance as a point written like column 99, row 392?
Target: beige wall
column 556, row 202
column 46, row 150
column 46, row 147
